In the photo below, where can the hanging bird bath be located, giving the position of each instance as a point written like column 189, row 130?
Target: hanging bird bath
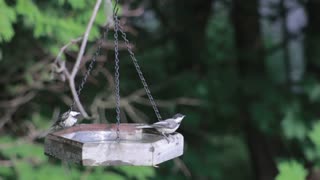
column 97, row 145
column 112, row 144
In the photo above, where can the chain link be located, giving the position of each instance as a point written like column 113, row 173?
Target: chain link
column 90, row 67
column 117, row 67
column 138, row 69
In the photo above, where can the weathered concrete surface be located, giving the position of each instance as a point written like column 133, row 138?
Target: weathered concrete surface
column 96, row 145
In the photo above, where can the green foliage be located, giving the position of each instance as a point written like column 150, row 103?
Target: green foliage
column 32, row 32
column 262, row 115
column 220, row 37
column 51, row 24
column 29, row 162
column 98, row 173
column 6, row 172
column 314, row 135
column 77, row 4
column 291, row 170
column 26, row 150
column 221, row 155
column 221, row 83
column 313, row 90
column 46, row 22
column 292, row 125
column 142, row 173
column 7, row 18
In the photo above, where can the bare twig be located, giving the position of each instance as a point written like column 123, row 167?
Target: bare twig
column 121, row 45
column 102, row 101
column 17, row 101
column 167, row 103
column 133, row 115
column 7, row 116
column 59, row 66
column 141, row 114
column 73, row 41
column 85, row 39
column 71, row 76
column 6, row 163
column 79, row 58
column 11, row 106
column 108, row 75
column 182, row 166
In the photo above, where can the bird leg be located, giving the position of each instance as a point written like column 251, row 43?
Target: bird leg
column 167, row 138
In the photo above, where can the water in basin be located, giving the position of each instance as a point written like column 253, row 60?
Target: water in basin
column 107, row 136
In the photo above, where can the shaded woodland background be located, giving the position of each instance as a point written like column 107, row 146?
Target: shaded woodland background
column 246, row 74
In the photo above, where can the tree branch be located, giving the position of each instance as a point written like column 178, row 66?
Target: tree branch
column 59, row 66
column 79, row 58
column 62, row 68
column 85, row 39
column 11, row 106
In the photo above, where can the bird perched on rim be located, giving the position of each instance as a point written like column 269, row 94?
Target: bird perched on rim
column 67, row 119
column 167, row 126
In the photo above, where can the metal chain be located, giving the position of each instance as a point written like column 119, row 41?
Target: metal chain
column 116, row 73
column 138, row 69
column 117, row 28
column 90, row 67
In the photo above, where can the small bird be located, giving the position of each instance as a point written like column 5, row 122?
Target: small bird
column 67, row 119
column 167, row 126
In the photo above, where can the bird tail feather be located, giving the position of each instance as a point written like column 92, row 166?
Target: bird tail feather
column 144, row 126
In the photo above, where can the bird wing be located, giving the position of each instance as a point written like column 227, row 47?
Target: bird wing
column 56, row 122
column 62, row 118
column 165, row 124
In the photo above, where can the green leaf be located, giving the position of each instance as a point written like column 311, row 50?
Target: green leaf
column 24, row 170
column 311, row 154
column 5, row 139
column 30, row 13
column 77, row 4
column 25, row 150
column 293, row 127
column 7, row 18
column 313, row 91
column 48, row 23
column 291, row 170
column 314, row 135
column 99, row 172
column 105, row 175
column 55, row 172
column 140, row 173
column 6, row 172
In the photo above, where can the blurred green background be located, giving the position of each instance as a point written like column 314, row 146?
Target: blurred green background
column 246, row 74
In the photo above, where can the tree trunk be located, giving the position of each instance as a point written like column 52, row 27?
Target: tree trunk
column 191, row 19
column 251, row 66
column 285, row 39
column 313, row 38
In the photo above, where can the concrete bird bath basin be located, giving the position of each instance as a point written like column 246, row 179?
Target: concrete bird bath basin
column 97, row 145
